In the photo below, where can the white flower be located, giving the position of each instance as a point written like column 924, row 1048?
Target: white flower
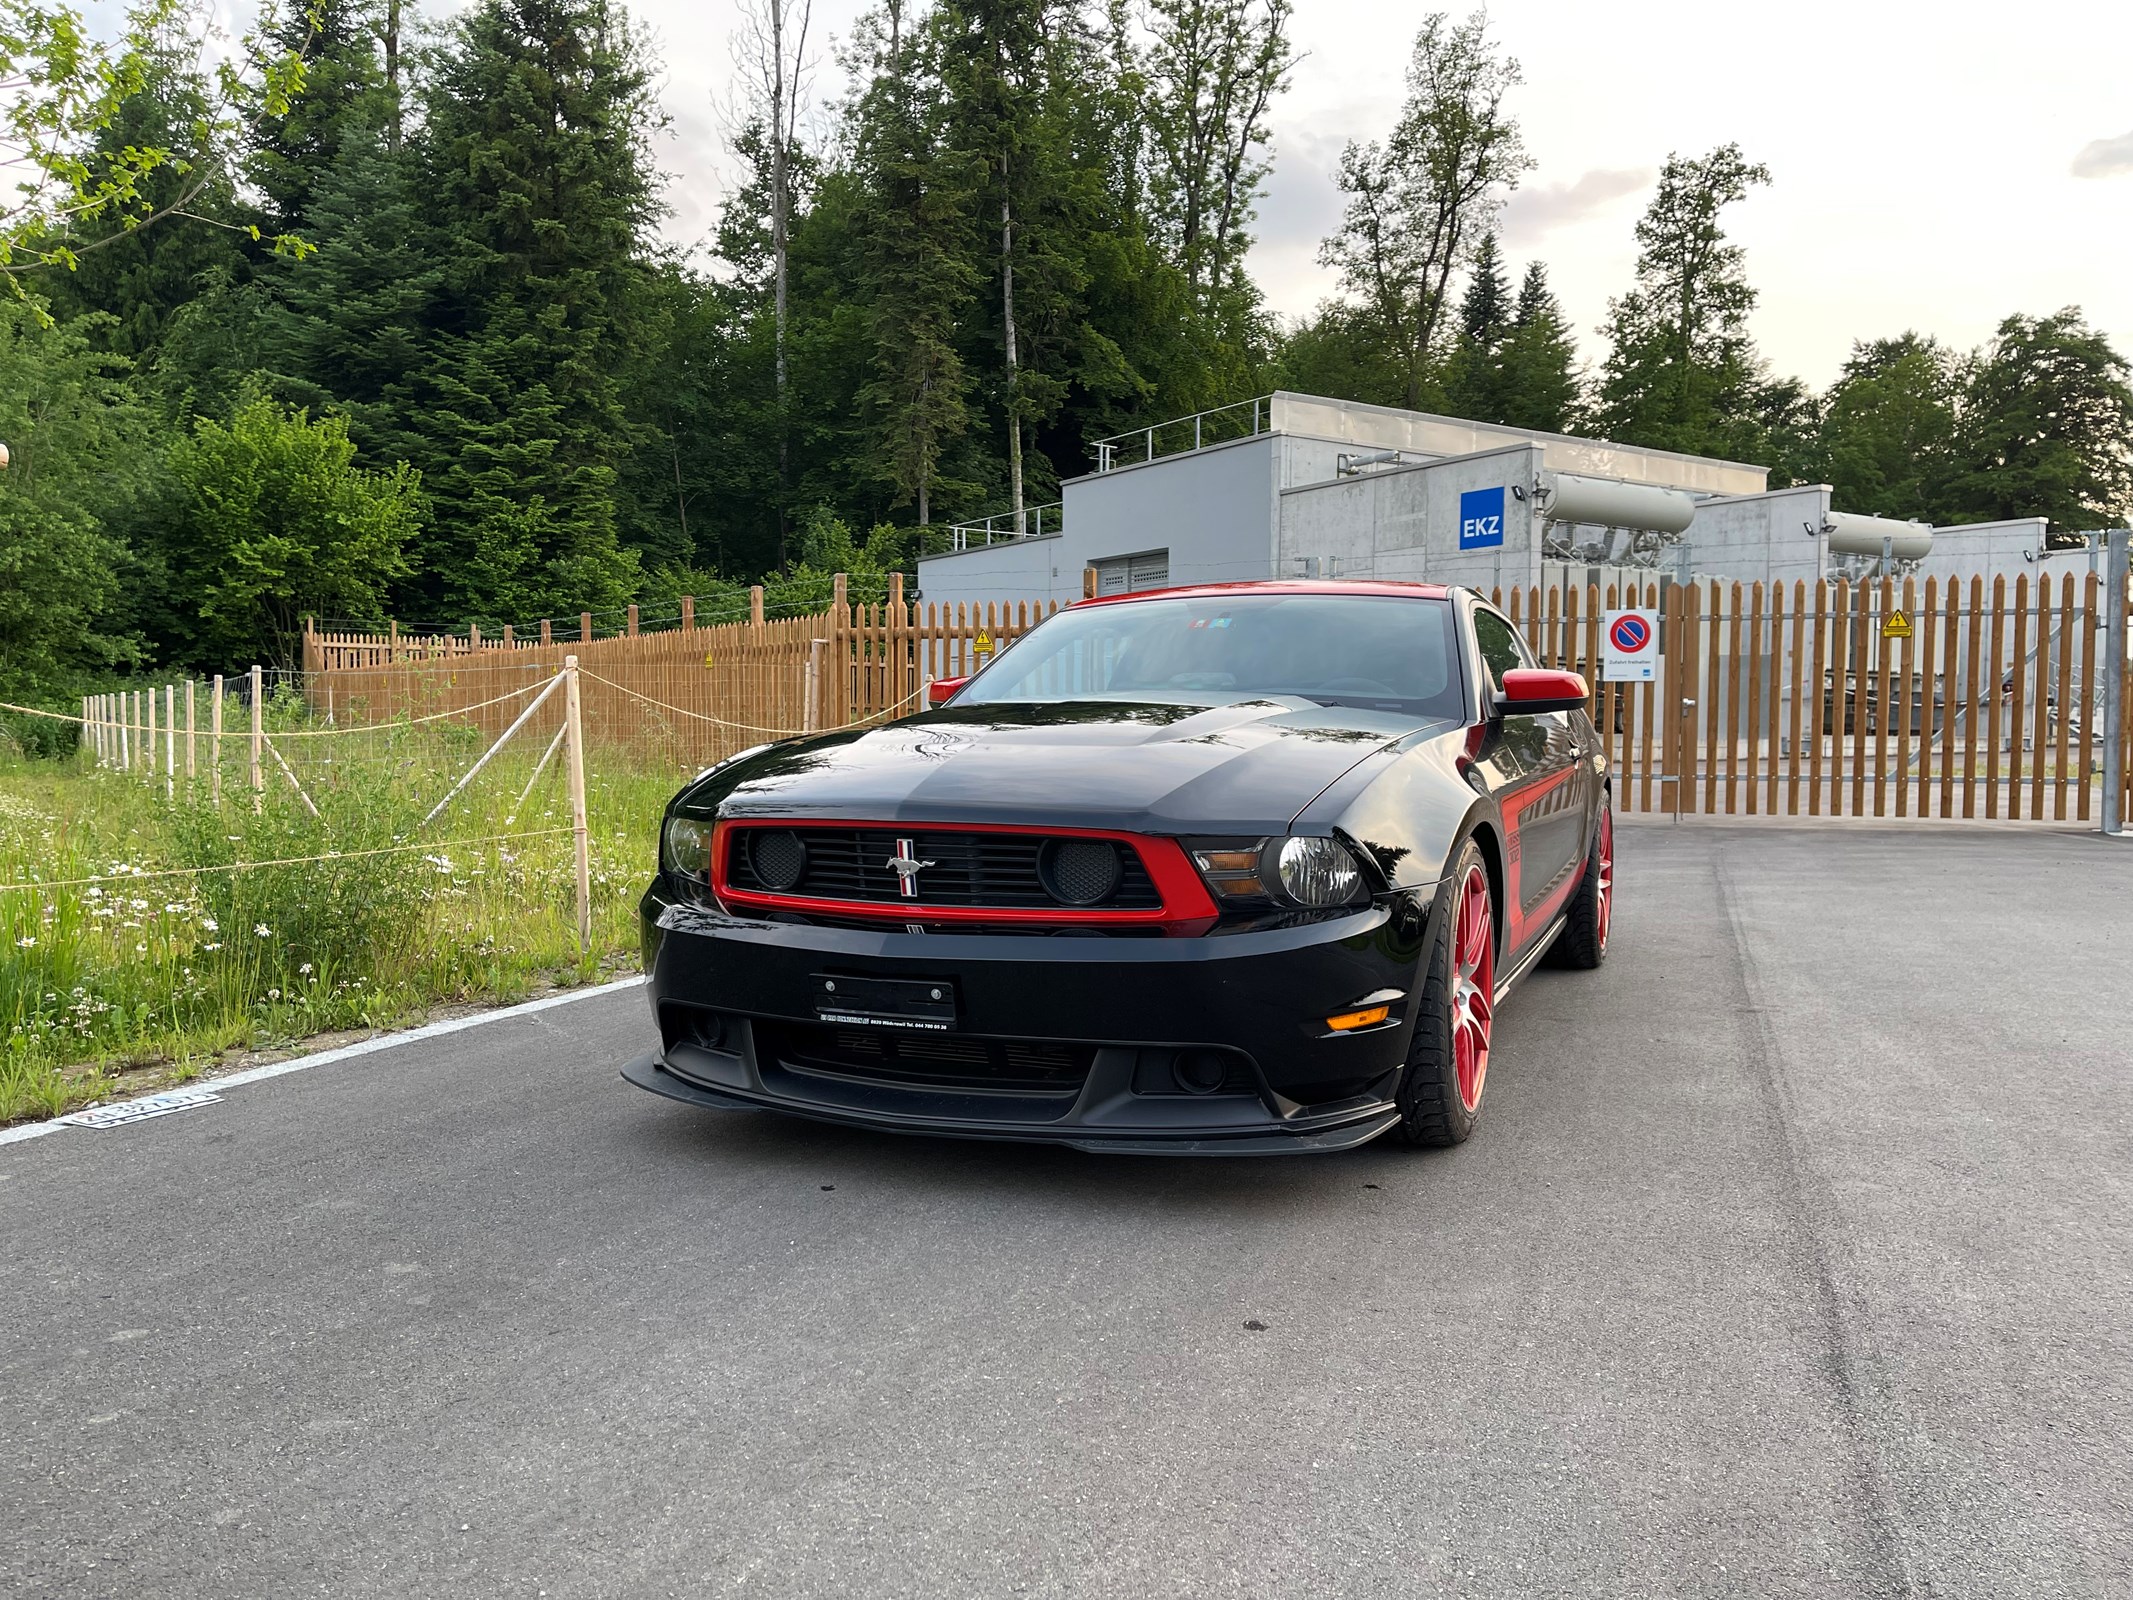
column 273, row 994
column 262, row 930
column 25, row 942
column 139, row 905
column 209, row 925
column 306, row 967
column 211, row 947
column 140, row 949
column 92, row 894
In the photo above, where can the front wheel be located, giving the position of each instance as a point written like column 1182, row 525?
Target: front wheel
column 1455, row 1012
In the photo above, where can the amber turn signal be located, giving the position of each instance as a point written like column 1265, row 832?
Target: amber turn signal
column 1349, row 1021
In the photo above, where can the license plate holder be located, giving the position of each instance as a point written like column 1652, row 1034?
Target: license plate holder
column 925, row 1004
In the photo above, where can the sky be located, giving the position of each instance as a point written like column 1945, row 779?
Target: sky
column 1936, row 176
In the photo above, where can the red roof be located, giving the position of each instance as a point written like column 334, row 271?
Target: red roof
column 1381, row 588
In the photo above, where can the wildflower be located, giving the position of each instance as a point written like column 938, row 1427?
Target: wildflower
column 25, row 942
column 140, row 949
column 211, row 947
column 209, row 925
column 139, row 905
column 92, row 894
column 273, row 994
column 261, row 929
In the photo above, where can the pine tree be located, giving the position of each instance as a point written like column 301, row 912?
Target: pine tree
column 141, row 277
column 918, row 260
column 538, row 183
column 1474, row 376
column 1538, row 360
column 345, row 96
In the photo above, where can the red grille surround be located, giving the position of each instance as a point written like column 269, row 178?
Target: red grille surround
column 1187, row 908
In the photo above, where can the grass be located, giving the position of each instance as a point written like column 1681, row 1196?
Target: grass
column 137, row 980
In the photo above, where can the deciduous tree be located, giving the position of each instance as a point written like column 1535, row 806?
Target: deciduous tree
column 1419, row 202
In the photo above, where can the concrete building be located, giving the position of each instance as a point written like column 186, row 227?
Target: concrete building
column 1287, row 485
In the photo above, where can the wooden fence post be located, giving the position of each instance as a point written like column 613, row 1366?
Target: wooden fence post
column 574, row 726
column 214, row 741
column 585, row 627
column 170, row 741
column 259, row 733
column 755, row 605
column 630, row 626
column 688, row 612
column 1088, row 583
column 192, row 733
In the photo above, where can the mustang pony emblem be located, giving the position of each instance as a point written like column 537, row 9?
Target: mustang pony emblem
column 906, row 865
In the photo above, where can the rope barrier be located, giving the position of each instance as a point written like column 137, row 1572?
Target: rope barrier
column 749, row 727
column 303, row 733
column 285, row 861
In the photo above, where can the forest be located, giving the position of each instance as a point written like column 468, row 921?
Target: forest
column 359, row 319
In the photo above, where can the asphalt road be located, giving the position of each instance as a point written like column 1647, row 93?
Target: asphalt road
column 1794, row 1257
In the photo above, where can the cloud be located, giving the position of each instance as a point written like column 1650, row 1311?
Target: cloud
column 2105, row 158
column 1536, row 212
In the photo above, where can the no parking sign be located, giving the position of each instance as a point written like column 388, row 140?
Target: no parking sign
column 1632, row 649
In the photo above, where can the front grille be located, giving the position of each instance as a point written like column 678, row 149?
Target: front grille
column 1001, row 870
column 927, row 1060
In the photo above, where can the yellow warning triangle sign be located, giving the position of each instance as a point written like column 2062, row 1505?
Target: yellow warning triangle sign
column 1896, row 626
column 984, row 644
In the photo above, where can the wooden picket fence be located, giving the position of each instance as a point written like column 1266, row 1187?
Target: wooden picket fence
column 686, row 695
column 1771, row 700
column 1874, row 699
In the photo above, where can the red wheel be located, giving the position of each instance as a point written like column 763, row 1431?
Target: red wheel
column 1583, row 942
column 1473, row 986
column 1454, row 1009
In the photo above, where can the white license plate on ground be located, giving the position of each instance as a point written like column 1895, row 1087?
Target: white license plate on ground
column 155, row 1105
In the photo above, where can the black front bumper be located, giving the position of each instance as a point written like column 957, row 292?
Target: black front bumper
column 736, row 1003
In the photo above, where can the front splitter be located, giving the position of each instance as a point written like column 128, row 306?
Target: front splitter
column 647, row 1072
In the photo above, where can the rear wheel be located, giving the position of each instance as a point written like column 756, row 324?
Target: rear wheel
column 1583, row 942
column 1455, row 1012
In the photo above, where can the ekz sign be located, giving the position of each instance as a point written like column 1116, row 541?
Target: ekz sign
column 1481, row 519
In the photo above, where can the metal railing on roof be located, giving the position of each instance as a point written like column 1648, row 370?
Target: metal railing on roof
column 1029, row 523
column 1241, row 419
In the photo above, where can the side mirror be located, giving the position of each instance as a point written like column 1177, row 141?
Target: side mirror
column 941, row 690
column 1528, row 691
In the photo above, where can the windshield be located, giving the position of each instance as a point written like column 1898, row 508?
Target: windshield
column 1392, row 653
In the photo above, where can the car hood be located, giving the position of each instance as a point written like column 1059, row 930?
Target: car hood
column 1242, row 768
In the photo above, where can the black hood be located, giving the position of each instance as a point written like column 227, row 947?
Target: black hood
column 1244, row 768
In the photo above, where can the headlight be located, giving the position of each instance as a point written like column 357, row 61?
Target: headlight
column 1309, row 872
column 685, row 848
column 1317, row 872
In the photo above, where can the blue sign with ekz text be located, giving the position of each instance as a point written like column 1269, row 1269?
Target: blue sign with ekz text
column 1481, row 519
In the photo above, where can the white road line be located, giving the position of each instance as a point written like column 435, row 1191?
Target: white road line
column 363, row 1047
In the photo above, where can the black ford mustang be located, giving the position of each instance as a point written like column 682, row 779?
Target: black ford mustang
column 1241, row 868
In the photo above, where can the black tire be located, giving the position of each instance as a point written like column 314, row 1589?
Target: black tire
column 1582, row 945
column 1434, row 1109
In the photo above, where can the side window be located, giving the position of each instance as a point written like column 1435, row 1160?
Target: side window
column 1501, row 649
